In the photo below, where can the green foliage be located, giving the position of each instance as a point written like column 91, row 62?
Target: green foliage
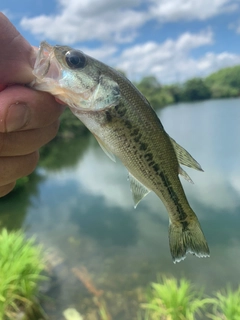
column 21, row 182
column 176, row 92
column 222, row 84
column 172, row 300
column 225, row 82
column 223, row 91
column 62, row 153
column 70, row 125
column 195, row 89
column 20, row 269
column 169, row 299
column 226, row 305
column 157, row 95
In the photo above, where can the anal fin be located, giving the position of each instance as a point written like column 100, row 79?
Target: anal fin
column 139, row 191
column 184, row 174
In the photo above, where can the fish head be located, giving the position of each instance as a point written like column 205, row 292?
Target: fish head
column 75, row 78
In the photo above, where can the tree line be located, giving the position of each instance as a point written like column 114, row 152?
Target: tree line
column 224, row 83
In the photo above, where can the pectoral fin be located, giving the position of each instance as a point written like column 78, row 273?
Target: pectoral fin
column 139, row 191
column 105, row 149
column 184, row 157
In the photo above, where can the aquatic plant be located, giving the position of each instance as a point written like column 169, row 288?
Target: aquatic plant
column 20, row 272
column 169, row 299
column 226, row 305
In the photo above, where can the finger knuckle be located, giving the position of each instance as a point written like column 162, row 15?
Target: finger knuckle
column 4, row 190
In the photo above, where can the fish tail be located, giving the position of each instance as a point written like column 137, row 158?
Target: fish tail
column 187, row 237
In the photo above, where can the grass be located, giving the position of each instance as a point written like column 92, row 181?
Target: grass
column 226, row 305
column 21, row 265
column 20, row 273
column 170, row 299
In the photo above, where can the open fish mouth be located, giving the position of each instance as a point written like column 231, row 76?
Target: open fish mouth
column 74, row 86
column 46, row 66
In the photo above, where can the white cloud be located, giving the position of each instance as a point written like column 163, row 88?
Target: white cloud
column 176, row 10
column 172, row 61
column 167, row 60
column 117, row 21
column 211, row 62
column 225, row 195
column 103, row 53
column 112, row 23
column 89, row 20
column 235, row 26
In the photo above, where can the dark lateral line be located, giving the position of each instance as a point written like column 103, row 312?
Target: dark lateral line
column 174, row 197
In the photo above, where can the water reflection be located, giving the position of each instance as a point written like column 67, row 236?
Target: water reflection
column 63, row 153
column 104, row 224
column 14, row 206
column 84, row 210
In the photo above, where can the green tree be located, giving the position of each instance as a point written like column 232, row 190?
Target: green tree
column 157, row 95
column 176, row 91
column 225, row 82
column 196, row 89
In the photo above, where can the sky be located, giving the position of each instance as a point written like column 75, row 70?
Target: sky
column 173, row 40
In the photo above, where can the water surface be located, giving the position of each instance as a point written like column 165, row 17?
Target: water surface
column 84, row 213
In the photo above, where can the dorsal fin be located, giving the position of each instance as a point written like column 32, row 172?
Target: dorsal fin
column 184, row 157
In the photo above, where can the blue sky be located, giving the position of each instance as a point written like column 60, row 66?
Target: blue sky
column 173, row 40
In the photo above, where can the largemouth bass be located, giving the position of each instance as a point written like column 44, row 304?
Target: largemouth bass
column 126, row 126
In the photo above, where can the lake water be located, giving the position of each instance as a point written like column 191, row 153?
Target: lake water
column 84, row 213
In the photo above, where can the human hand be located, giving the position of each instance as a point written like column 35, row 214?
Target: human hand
column 28, row 118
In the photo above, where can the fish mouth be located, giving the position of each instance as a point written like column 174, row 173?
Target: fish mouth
column 46, row 66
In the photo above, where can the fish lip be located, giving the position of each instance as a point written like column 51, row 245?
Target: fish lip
column 45, row 64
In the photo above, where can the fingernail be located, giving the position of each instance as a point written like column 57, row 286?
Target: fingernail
column 17, row 117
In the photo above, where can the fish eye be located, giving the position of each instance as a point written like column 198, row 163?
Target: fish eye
column 75, row 59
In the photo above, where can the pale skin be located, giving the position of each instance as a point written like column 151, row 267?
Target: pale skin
column 28, row 118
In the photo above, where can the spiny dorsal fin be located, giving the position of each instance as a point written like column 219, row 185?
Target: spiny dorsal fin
column 139, row 191
column 105, row 149
column 184, row 157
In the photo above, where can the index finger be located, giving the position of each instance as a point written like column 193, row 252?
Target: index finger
column 16, row 55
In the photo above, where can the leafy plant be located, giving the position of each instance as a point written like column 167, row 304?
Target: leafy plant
column 20, row 271
column 172, row 300
column 226, row 305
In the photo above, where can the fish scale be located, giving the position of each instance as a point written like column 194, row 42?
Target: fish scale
column 139, row 165
column 126, row 126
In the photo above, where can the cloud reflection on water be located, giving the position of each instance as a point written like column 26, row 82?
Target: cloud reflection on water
column 87, row 200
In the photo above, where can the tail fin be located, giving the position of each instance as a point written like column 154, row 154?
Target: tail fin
column 186, row 238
